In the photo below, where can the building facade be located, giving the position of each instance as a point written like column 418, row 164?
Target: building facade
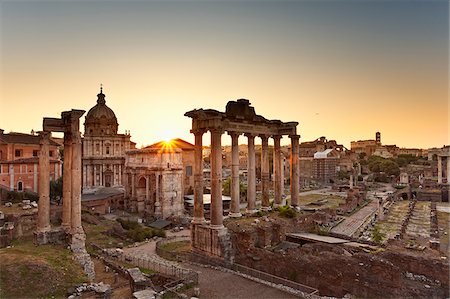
column 104, row 149
column 19, row 159
column 153, row 185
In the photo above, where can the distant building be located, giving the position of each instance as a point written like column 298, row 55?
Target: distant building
column 154, row 182
column 103, row 148
column 325, row 165
column 187, row 150
column 366, row 146
column 19, row 159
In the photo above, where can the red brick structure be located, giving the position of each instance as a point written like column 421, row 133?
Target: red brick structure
column 19, row 161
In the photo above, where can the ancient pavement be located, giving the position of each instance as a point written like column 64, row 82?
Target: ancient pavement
column 352, row 223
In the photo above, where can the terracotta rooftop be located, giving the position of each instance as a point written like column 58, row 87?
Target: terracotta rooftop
column 22, row 138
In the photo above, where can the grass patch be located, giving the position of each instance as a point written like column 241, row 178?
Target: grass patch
column 178, row 246
column 29, row 271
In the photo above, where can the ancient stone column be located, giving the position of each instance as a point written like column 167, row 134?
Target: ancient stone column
column 235, row 210
column 265, row 205
column 198, row 178
column 294, row 169
column 67, row 183
column 147, row 187
column 76, row 183
column 251, row 175
column 439, row 170
column 277, row 171
column 216, row 179
column 43, row 223
column 133, row 187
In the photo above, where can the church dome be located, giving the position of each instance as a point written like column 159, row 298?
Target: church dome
column 100, row 120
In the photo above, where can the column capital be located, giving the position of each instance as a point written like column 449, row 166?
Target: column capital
column 264, row 136
column 234, row 134
column 216, row 131
column 198, row 132
column 44, row 137
column 294, row 137
column 277, row 137
column 250, row 135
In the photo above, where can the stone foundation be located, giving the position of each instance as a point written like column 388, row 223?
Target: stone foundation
column 53, row 236
column 211, row 241
column 81, row 256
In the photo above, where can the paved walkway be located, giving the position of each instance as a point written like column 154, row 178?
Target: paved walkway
column 352, row 223
column 217, row 284
column 214, row 283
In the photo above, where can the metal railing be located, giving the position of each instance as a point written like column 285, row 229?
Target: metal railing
column 163, row 267
column 274, row 279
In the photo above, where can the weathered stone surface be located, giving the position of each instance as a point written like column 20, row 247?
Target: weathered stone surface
column 144, row 294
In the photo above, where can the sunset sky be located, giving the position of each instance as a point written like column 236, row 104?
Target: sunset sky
column 342, row 69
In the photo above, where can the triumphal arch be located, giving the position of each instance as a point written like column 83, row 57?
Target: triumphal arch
column 239, row 118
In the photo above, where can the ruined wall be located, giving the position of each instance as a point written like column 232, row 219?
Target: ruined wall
column 336, row 272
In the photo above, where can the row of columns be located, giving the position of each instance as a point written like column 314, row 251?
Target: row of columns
column 216, row 175
column 440, row 169
column 71, row 212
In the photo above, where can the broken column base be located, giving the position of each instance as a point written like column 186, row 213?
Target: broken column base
column 214, row 242
column 52, row 236
column 78, row 247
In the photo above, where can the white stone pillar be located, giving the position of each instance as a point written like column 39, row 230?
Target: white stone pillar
column 439, row 170
column 43, row 224
column 265, row 205
column 235, row 210
column 198, row 178
column 294, row 169
column 147, row 187
column 251, row 175
column 67, row 183
column 120, row 176
column 277, row 171
column 216, row 179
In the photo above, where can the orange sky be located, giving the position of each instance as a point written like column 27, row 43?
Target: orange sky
column 342, row 69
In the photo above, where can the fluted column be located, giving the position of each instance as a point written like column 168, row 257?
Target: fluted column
column 44, row 184
column 294, row 169
column 76, row 183
column 235, row 210
column 265, row 205
column 198, row 178
column 251, row 175
column 439, row 170
column 67, row 183
column 216, row 179
column 277, row 171
column 147, row 187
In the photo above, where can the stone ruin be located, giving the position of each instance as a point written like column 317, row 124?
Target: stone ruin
column 71, row 227
column 239, row 118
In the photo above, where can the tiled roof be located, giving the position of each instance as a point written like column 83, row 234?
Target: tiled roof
column 21, row 138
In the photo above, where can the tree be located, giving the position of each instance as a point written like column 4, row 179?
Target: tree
column 56, row 189
column 226, row 188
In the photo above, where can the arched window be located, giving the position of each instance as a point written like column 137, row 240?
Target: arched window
column 19, row 186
